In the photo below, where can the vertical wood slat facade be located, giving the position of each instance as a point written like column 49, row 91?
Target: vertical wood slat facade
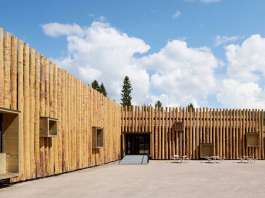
column 36, row 87
column 226, row 129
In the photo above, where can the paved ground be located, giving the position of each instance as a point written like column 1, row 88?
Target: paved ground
column 158, row 179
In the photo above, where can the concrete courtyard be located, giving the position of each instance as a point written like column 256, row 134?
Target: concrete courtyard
column 158, row 179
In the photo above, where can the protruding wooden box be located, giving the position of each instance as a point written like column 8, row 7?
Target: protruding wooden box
column 178, row 126
column 48, row 127
column 252, row 139
column 97, row 137
column 206, row 150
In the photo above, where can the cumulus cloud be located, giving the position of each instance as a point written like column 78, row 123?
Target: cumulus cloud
column 243, row 85
column 182, row 74
column 102, row 52
column 224, row 40
column 177, row 74
column 57, row 29
column 246, row 62
column 236, row 94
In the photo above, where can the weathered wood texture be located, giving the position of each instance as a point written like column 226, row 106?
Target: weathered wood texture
column 36, row 87
column 226, row 129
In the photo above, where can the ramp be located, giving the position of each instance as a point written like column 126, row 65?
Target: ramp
column 134, row 160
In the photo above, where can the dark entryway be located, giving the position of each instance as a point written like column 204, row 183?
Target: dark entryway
column 137, row 144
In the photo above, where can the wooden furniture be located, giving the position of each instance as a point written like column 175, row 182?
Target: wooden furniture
column 246, row 159
column 179, row 158
column 2, row 163
column 8, row 176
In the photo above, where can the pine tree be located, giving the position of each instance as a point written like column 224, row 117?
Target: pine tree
column 158, row 104
column 126, row 98
column 191, row 107
column 102, row 89
column 95, row 85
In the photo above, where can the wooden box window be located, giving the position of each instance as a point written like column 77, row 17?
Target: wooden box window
column 48, row 127
column 178, row 126
column 252, row 139
column 98, row 137
column 206, row 150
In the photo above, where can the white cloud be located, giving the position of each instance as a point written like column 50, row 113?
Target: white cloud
column 235, row 94
column 246, row 62
column 177, row 74
column 176, row 14
column 57, row 29
column 243, row 85
column 101, row 52
column 183, row 74
column 223, row 40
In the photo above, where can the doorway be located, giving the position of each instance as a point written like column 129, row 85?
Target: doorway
column 137, row 144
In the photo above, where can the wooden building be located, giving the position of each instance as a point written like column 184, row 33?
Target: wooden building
column 50, row 122
column 164, row 132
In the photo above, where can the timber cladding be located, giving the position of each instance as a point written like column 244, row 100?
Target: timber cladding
column 47, row 119
column 232, row 133
column 36, row 89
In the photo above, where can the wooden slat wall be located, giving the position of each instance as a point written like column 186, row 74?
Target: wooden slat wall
column 36, row 87
column 224, row 128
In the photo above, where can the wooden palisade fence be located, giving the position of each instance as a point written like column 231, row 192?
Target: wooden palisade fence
column 36, row 89
column 225, row 129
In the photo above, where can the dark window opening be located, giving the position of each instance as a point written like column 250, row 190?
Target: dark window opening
column 98, row 137
column 1, row 133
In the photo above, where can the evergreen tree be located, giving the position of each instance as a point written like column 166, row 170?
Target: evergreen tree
column 158, row 104
column 126, row 98
column 191, row 107
column 102, row 89
column 95, row 85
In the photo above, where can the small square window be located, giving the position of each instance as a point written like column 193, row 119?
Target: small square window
column 178, row 126
column 252, row 139
column 48, row 127
column 98, row 137
column 206, row 150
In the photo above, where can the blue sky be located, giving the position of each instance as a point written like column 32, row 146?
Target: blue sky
column 210, row 24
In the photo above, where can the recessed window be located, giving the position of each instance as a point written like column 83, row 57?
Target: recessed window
column 48, row 127
column 252, row 139
column 206, row 150
column 178, row 126
column 9, row 140
column 98, row 137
